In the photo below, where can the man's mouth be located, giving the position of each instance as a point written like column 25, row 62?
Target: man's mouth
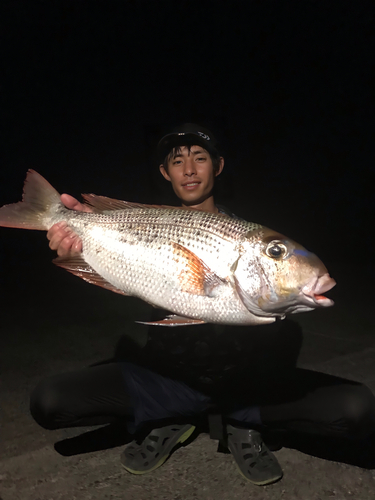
column 190, row 185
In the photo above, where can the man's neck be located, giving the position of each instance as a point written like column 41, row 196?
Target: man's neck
column 207, row 205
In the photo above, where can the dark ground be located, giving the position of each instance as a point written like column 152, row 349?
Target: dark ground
column 86, row 91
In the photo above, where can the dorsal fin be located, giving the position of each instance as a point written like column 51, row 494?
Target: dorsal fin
column 77, row 266
column 101, row 203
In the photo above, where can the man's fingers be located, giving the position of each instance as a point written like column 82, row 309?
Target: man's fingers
column 64, row 240
column 69, row 246
column 59, row 236
column 53, row 230
column 73, row 204
column 77, row 245
column 57, row 233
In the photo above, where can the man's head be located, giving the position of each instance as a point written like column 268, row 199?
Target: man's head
column 191, row 162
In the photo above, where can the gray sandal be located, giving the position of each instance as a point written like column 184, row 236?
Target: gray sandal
column 254, row 460
column 153, row 451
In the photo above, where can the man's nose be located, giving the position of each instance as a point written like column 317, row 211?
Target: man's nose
column 190, row 167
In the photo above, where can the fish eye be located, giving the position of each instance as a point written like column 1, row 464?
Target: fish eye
column 276, row 250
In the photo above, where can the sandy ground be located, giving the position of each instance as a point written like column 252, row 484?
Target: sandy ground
column 53, row 322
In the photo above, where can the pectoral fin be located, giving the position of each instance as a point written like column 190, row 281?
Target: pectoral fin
column 194, row 275
column 173, row 320
column 77, row 266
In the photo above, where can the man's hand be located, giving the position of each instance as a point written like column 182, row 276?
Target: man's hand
column 61, row 237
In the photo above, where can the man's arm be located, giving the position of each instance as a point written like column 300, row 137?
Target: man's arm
column 61, row 237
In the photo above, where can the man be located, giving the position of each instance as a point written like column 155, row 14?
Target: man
column 165, row 389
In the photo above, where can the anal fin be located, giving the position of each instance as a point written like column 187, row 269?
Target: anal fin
column 173, row 320
column 79, row 267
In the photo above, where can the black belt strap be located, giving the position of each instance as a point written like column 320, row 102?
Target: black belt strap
column 216, row 426
column 217, row 431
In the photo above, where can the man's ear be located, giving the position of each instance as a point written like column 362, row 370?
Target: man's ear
column 221, row 166
column 164, row 173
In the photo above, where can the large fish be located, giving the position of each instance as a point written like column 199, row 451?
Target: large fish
column 202, row 267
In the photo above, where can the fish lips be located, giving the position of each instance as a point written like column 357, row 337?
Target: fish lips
column 313, row 291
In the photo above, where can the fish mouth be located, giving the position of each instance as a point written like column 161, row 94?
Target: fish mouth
column 314, row 290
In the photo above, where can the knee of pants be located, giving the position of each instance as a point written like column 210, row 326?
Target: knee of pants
column 45, row 403
column 359, row 412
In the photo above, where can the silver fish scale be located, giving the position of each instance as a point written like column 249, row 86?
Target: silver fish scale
column 224, row 226
column 142, row 252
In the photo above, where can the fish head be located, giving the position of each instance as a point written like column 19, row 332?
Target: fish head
column 275, row 276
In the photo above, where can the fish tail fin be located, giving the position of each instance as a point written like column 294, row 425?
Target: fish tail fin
column 39, row 202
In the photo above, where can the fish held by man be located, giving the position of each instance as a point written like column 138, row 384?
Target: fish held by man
column 202, row 267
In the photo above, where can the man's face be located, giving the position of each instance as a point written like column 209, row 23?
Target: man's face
column 191, row 174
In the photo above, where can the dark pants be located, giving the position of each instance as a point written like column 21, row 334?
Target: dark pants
column 303, row 401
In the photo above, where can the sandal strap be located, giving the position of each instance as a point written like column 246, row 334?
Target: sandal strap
column 252, row 456
column 153, row 451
